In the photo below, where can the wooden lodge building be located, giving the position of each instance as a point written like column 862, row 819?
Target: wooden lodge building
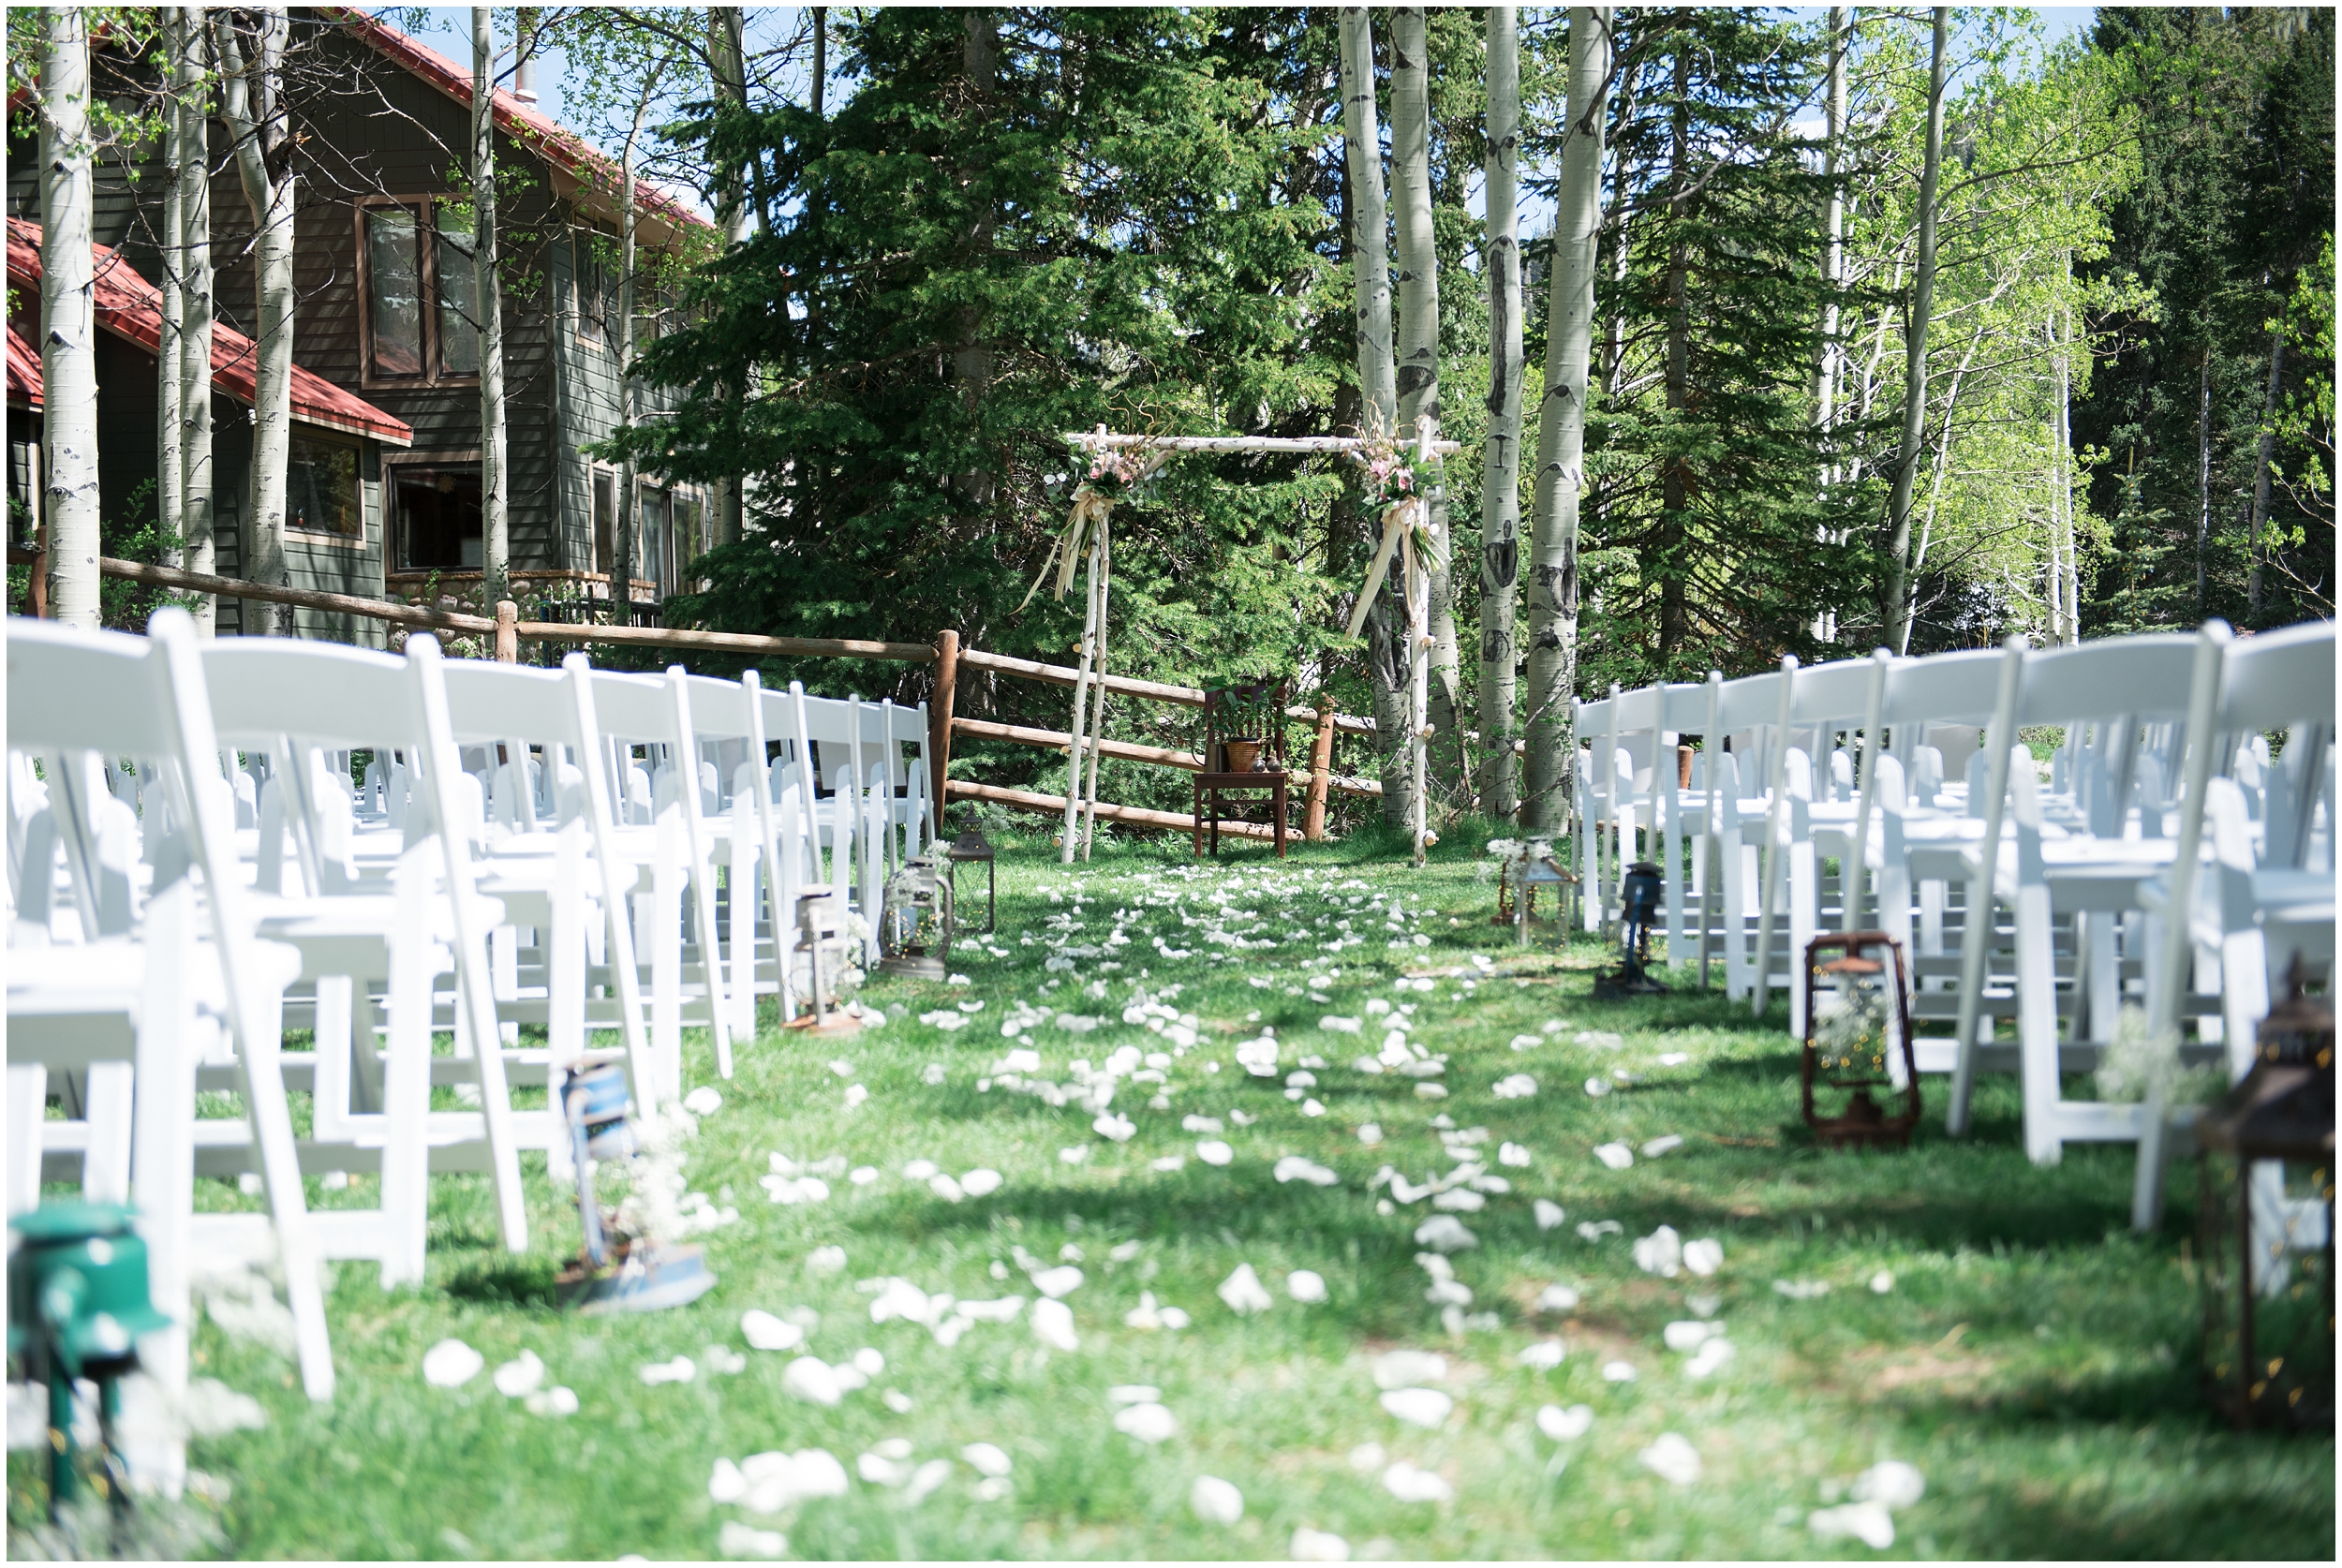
column 385, row 475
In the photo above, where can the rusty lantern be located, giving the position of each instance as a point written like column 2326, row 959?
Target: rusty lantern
column 1857, row 1040
column 2265, row 1220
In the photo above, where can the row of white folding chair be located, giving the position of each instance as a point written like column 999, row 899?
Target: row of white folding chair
column 152, row 996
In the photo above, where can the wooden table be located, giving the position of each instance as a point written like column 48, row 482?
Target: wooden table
column 1211, row 786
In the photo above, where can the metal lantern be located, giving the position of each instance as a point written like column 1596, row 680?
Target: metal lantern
column 971, row 848
column 643, row 1277
column 915, row 922
column 2265, row 1226
column 1518, row 881
column 821, row 928
column 77, row 1301
column 595, row 1101
column 1857, row 1040
column 1640, row 894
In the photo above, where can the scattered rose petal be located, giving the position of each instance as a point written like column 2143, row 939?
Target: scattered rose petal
column 1867, row 1522
column 1543, row 1356
column 945, row 1188
column 1318, row 1546
column 1367, row 1457
column 826, row 1260
column 1594, row 1229
column 1661, row 1252
column 1119, row 1128
column 1512, row 1154
column 981, row 1182
column 1883, row 1281
column 520, row 1376
column 1674, row 1059
column 1704, row 1256
column 987, row 1458
column 812, row 1380
column 1053, row 1325
column 1517, row 1085
column 1665, row 1144
column 681, row 1369
column 1709, row 1359
column 1445, row 1233
column 1673, row 1458
column 1563, row 1426
column 1243, row 1292
column 1618, row 1372
column 1548, row 1213
column 1054, row 1282
column 1133, row 1394
column 1557, row 1298
column 1597, row 1088
column 1410, row 1485
column 1074, row 1155
column 1616, row 1156
column 1890, row 1484
column 862, row 1176
column 1371, row 1133
column 1423, row 1407
column 1305, row 1286
column 555, row 1401
column 1148, row 1423
column 1802, row 1290
column 452, row 1364
column 744, row 1540
column 1215, row 1501
column 1211, row 1151
column 703, row 1101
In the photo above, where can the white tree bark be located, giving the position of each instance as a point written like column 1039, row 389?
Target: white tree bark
column 169, row 417
column 1418, row 374
column 1562, row 427
column 625, row 526
column 262, row 126
column 1377, row 380
column 196, row 309
column 68, row 319
column 1895, row 602
column 1500, row 478
column 727, row 54
column 494, row 483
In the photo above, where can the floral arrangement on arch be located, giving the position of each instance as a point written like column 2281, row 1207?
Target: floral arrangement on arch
column 1119, row 474
column 1398, row 475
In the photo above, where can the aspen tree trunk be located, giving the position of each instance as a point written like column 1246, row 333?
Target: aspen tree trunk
column 1500, row 480
column 257, row 117
column 1895, row 603
column 625, row 539
column 2203, row 479
column 1377, row 385
column 727, row 55
column 68, row 319
column 2263, row 454
column 1418, row 366
column 2069, row 586
column 1834, row 246
column 1562, row 428
column 972, row 361
column 496, row 527
column 196, row 309
column 169, row 416
column 1675, row 472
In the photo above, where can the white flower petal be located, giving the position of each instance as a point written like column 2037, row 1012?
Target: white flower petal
column 1563, row 1426
column 1215, row 1501
column 452, row 1364
column 1673, row 1458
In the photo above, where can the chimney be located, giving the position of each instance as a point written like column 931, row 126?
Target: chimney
column 525, row 70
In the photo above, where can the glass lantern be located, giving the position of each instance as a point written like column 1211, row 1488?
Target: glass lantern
column 2265, row 1226
column 972, row 849
column 822, row 934
column 1857, row 1040
column 916, row 921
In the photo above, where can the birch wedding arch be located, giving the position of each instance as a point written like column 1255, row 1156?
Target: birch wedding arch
column 1401, row 476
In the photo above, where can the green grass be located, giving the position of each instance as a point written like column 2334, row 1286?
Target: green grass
column 2034, row 1360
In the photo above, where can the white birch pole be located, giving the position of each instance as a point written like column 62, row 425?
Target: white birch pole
column 195, row 284
column 1377, row 372
column 1077, row 735
column 68, row 320
column 495, row 554
column 1098, row 713
column 257, row 115
column 1500, row 480
column 169, row 416
column 1562, row 430
column 727, row 49
column 1895, row 604
column 625, row 528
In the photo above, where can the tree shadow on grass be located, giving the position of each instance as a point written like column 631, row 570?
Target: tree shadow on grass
column 505, row 1281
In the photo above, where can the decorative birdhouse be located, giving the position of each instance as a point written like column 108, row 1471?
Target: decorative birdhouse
column 972, row 849
column 1640, row 894
column 1526, row 869
column 915, row 922
column 77, row 1301
column 2265, row 1226
column 1858, row 1042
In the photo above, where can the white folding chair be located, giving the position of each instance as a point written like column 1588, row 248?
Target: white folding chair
column 72, row 694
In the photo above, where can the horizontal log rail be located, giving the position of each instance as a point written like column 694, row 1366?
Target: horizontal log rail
column 180, row 581
column 1186, row 696
column 1171, row 821
column 726, row 642
column 1059, row 741
column 1329, row 445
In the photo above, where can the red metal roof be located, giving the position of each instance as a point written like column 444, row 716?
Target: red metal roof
column 24, row 371
column 524, row 122
column 131, row 308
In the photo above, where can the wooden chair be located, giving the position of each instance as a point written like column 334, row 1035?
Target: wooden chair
column 1243, row 717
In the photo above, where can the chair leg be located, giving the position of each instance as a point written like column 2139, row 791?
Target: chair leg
column 2036, row 1024
column 28, row 1104
column 106, row 1163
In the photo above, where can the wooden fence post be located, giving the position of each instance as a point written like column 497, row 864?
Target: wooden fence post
column 939, row 717
column 508, row 631
column 1321, row 769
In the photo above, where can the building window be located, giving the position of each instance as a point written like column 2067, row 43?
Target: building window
column 322, row 495
column 414, row 250
column 437, row 511
column 605, row 490
column 597, row 282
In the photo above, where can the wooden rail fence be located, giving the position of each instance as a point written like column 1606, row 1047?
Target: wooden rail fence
column 508, row 631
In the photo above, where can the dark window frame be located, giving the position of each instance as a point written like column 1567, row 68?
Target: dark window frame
column 424, row 209
column 358, row 477
column 394, row 543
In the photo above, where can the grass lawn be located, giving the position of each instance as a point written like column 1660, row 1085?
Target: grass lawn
column 2030, row 1357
